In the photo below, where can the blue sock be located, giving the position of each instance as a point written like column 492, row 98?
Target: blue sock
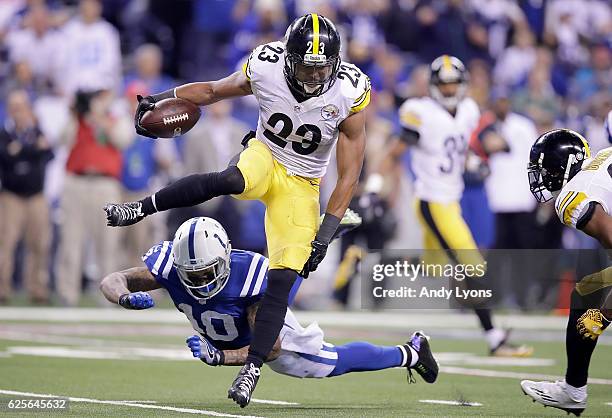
column 362, row 356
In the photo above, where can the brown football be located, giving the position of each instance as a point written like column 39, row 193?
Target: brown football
column 171, row 118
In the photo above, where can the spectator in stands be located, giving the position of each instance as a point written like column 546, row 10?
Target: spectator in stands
column 498, row 17
column 24, row 154
column 91, row 54
column 595, row 120
column 538, row 99
column 95, row 137
column 266, row 22
column 37, row 45
column 507, row 141
column 143, row 161
column 595, row 77
column 516, row 62
column 148, row 63
column 209, row 147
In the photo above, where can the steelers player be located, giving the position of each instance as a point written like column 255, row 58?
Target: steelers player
column 309, row 101
column 438, row 128
column 560, row 166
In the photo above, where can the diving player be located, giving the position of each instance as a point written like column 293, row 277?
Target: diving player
column 219, row 290
column 560, row 166
column 437, row 128
column 309, row 101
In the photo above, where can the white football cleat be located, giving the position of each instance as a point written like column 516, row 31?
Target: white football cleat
column 553, row 394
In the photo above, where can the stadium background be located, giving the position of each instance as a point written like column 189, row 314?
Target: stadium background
column 551, row 61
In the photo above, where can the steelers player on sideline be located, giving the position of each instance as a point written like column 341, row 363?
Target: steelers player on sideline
column 561, row 167
column 219, row 290
column 438, row 128
column 308, row 101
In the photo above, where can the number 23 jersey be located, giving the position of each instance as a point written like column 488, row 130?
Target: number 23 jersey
column 222, row 318
column 301, row 135
column 438, row 160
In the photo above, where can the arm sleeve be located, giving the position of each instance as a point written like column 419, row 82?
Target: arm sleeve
column 409, row 136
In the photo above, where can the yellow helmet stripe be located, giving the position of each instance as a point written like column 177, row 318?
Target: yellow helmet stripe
column 587, row 149
column 446, row 63
column 315, row 38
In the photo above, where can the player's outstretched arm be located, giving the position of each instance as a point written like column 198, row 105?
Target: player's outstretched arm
column 208, row 92
column 128, row 288
column 349, row 156
column 600, row 226
column 201, row 93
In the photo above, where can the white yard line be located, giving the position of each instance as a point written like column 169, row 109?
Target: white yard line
column 513, row 375
column 442, row 402
column 269, row 402
column 123, row 403
column 363, row 319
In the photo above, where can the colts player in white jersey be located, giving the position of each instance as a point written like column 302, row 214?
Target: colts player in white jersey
column 219, row 289
column 561, row 167
column 309, row 101
column 437, row 128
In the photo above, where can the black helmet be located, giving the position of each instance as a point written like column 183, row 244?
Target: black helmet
column 447, row 69
column 555, row 158
column 312, row 59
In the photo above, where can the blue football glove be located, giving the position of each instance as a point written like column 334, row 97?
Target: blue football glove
column 137, row 301
column 204, row 350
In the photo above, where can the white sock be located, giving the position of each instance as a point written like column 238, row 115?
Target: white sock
column 494, row 337
column 577, row 394
column 414, row 356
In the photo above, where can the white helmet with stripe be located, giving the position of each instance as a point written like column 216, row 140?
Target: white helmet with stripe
column 201, row 252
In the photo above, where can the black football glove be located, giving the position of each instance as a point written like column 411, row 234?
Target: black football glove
column 319, row 249
column 144, row 104
column 123, row 214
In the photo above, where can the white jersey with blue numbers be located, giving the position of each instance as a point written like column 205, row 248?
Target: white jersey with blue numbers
column 438, row 160
column 223, row 318
column 301, row 135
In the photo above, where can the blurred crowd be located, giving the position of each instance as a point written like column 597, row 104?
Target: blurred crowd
column 70, row 71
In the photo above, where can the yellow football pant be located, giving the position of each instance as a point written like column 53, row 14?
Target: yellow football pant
column 446, row 236
column 292, row 205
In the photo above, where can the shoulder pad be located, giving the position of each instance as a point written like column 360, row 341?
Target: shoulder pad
column 250, row 270
column 571, row 206
column 159, row 259
column 410, row 114
column 262, row 58
column 355, row 86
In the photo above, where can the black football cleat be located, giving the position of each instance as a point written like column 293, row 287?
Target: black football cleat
column 244, row 384
column 427, row 366
column 123, row 214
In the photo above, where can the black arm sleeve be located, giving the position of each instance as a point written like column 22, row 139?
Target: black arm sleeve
column 195, row 189
column 586, row 217
column 409, row 136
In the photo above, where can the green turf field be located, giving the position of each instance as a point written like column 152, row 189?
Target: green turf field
column 157, row 374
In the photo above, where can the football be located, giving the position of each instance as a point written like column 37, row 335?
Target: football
column 171, row 118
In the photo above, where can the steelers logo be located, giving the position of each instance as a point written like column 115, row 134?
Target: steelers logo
column 330, row 112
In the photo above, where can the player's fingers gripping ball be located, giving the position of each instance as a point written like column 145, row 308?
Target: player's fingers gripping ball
column 136, row 301
column 592, row 323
